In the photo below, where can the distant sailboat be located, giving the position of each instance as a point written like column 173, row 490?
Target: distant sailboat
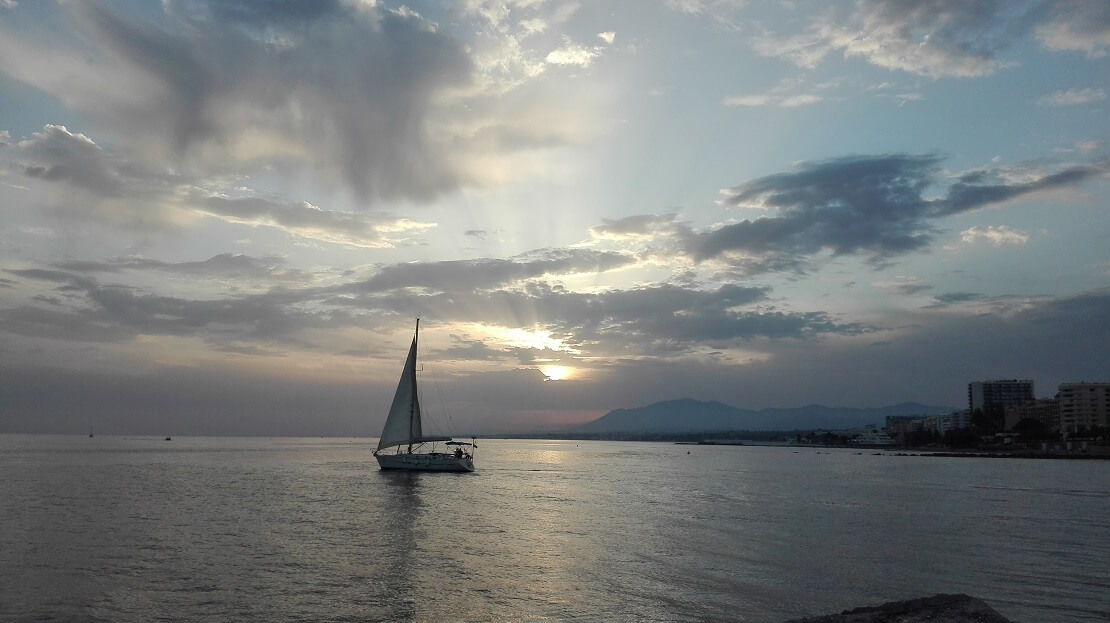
column 90, row 431
column 403, row 431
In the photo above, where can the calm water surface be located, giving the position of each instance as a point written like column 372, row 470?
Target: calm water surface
column 224, row 529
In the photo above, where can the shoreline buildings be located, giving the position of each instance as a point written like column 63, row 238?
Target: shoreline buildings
column 992, row 397
column 1083, row 405
column 1076, row 409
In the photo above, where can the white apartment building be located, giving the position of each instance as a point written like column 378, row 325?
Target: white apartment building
column 1083, row 405
column 1044, row 410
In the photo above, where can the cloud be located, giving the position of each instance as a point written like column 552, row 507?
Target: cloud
column 800, row 100
column 1073, row 97
column 935, row 38
column 784, row 95
column 942, row 38
column 978, row 188
column 96, row 312
column 639, row 227
column 905, row 98
column 748, row 100
column 953, row 298
column 608, row 36
column 1054, row 340
column 310, row 221
column 695, row 7
column 90, row 184
column 905, row 286
column 973, row 303
column 573, row 54
column 793, row 101
column 661, row 320
column 877, row 207
column 247, row 350
column 223, row 265
column 463, row 276
column 997, row 236
column 108, row 188
column 411, row 114
column 58, row 155
column 214, row 84
column 62, row 325
column 1077, row 26
column 725, row 14
column 870, row 205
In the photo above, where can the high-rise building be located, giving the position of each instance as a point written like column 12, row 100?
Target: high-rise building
column 1044, row 410
column 1083, row 405
column 991, row 397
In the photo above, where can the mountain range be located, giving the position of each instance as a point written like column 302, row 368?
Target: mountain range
column 687, row 415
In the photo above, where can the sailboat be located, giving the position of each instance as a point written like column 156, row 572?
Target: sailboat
column 402, row 436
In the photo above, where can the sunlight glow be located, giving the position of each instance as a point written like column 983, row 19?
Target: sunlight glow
column 521, row 338
column 557, row 373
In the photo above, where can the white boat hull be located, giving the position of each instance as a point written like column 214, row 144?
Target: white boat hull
column 427, row 462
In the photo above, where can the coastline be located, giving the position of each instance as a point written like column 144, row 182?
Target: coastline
column 1076, row 456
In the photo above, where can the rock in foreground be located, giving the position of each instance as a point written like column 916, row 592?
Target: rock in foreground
column 936, row 609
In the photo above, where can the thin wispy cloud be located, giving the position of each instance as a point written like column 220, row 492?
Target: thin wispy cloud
column 940, row 39
column 1074, row 97
column 997, row 236
column 1077, row 26
column 783, row 95
column 906, row 286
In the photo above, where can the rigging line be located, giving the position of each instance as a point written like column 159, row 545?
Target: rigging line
column 439, row 395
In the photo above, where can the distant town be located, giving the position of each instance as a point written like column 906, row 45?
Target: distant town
column 1005, row 411
column 1003, row 417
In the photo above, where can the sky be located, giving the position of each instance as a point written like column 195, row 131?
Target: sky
column 224, row 217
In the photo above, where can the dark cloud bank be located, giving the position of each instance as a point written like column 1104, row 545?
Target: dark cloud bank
column 877, row 207
column 1052, row 342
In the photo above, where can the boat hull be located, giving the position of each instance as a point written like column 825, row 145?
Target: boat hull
column 425, row 462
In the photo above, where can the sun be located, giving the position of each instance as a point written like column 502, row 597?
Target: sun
column 557, row 373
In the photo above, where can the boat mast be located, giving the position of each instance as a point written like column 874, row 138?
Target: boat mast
column 412, row 402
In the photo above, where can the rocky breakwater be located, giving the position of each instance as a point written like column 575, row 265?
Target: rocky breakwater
column 936, row 609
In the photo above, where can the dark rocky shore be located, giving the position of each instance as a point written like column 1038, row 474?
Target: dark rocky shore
column 935, row 609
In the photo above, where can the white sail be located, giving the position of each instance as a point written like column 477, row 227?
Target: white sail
column 404, row 415
column 402, row 425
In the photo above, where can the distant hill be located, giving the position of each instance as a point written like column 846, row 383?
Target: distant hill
column 687, row 415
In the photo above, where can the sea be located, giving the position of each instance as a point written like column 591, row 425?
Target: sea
column 281, row 530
